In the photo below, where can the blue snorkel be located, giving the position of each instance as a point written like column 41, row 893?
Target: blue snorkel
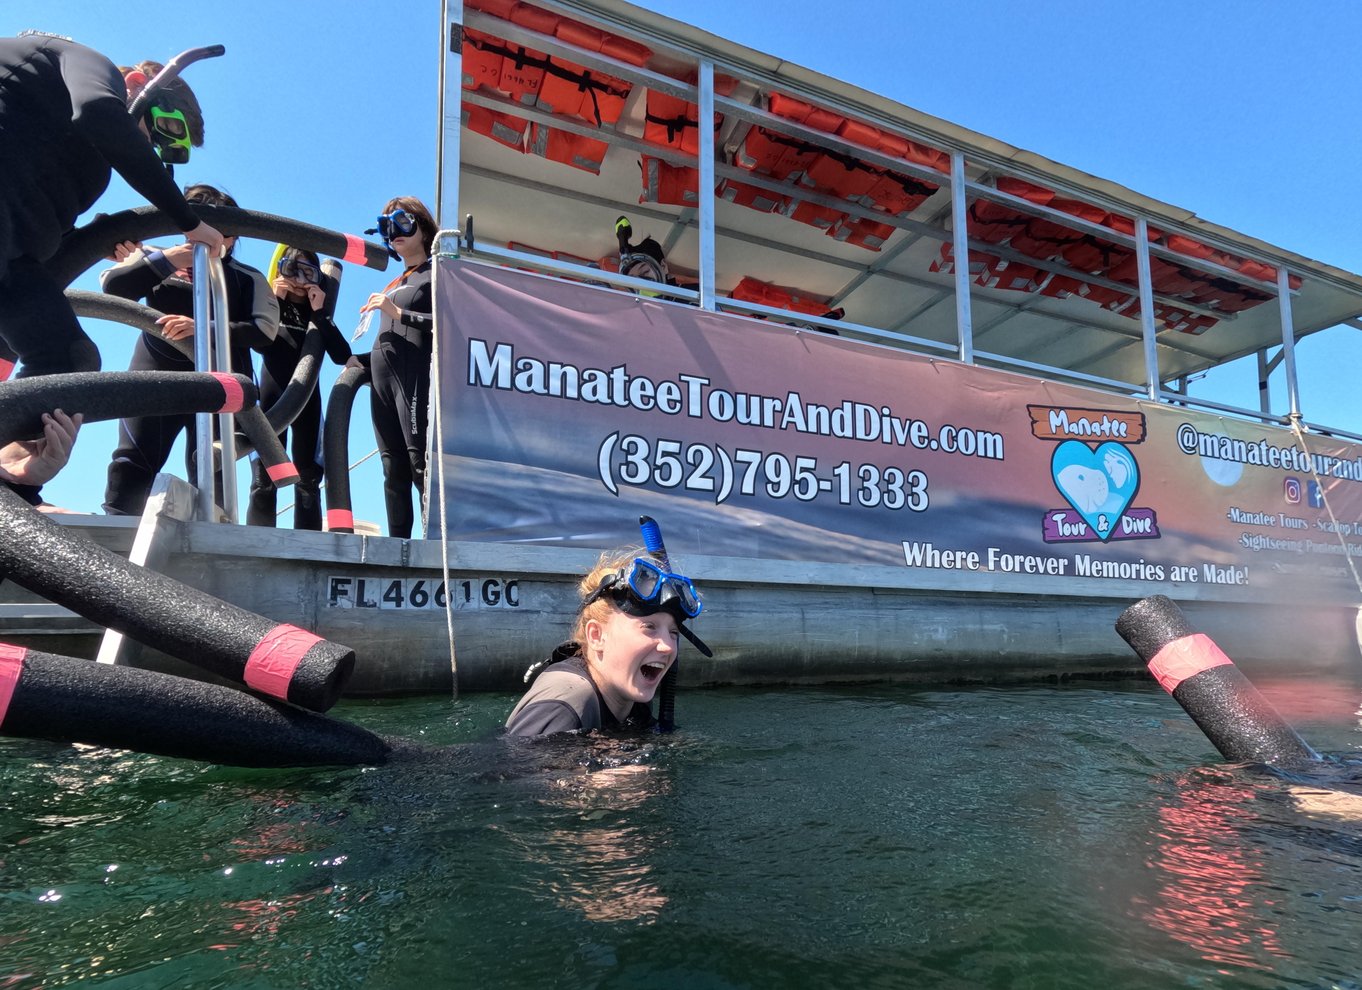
column 666, row 694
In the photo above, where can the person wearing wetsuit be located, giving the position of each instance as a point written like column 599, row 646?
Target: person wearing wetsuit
column 302, row 308
column 64, row 129
column 628, row 630
column 165, row 280
column 399, row 394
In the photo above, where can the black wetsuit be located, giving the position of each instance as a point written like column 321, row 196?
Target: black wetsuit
column 64, row 127
column 278, row 362
column 400, row 395
column 144, row 443
column 563, row 698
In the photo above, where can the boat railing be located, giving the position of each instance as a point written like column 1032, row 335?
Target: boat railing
column 212, row 352
column 1140, row 331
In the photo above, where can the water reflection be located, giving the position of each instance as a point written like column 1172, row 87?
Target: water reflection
column 1212, row 894
column 603, row 856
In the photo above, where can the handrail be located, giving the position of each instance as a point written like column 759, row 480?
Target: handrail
column 94, row 242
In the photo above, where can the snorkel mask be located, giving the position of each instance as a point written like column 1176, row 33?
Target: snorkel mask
column 645, row 588
column 296, row 268
column 169, row 133
column 398, row 223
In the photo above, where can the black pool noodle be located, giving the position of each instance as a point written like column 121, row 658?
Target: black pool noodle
column 103, row 395
column 116, row 309
column 340, row 517
column 88, row 245
column 1235, row 717
column 69, row 570
column 68, row 700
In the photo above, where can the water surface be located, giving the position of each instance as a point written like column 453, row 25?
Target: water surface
column 879, row 836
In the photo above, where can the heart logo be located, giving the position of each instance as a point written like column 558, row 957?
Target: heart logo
column 1099, row 484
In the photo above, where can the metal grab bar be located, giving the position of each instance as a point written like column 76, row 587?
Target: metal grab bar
column 212, row 352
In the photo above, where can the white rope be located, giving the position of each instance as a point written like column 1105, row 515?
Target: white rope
column 437, row 414
column 1323, row 497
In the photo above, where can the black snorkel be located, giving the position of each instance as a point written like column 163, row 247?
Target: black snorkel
column 172, row 69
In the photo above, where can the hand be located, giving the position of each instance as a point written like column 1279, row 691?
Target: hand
column 316, row 297
column 354, row 362
column 282, row 287
column 180, row 256
column 204, row 234
column 383, row 304
column 176, row 327
column 36, row 462
column 124, row 250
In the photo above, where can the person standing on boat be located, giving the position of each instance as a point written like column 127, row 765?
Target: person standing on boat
column 302, row 306
column 399, row 363
column 164, row 278
column 64, row 129
column 628, row 629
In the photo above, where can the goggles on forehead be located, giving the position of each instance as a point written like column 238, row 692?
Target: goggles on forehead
column 398, row 223
column 650, row 585
column 299, row 269
column 170, row 134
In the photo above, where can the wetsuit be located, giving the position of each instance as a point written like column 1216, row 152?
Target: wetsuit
column 64, row 127
column 278, row 362
column 144, row 443
column 563, row 698
column 399, row 396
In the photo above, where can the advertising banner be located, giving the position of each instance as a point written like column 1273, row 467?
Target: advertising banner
column 568, row 410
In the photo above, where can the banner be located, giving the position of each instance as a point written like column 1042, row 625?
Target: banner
column 570, row 409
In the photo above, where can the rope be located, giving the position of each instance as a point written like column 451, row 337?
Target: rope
column 1323, row 496
column 437, row 415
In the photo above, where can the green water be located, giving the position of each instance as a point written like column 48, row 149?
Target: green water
column 1047, row 837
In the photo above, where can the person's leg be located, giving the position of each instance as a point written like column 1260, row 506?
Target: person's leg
column 412, row 407
column 262, row 503
column 392, row 449
column 144, row 445
column 38, row 324
column 307, row 458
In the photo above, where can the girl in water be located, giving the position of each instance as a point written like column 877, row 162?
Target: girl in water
column 632, row 616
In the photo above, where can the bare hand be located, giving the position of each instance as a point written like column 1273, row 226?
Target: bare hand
column 316, row 297
column 383, row 304
column 124, row 250
column 36, row 462
column 354, row 362
column 204, row 234
column 283, row 287
column 176, row 327
column 180, row 256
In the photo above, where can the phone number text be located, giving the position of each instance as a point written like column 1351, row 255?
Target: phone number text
column 629, row 459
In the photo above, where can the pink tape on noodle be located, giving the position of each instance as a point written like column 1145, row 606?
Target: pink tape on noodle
column 340, row 519
column 235, row 399
column 281, row 472
column 11, row 666
column 272, row 663
column 1184, row 657
column 6, row 367
column 354, row 250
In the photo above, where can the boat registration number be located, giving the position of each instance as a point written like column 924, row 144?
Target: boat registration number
column 421, row 593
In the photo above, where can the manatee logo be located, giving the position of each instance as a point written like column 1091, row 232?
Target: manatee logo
column 1098, row 479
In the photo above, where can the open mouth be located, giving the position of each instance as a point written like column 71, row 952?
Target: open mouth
column 652, row 670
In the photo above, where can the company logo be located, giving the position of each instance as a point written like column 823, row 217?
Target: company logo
column 1291, row 491
column 1098, row 478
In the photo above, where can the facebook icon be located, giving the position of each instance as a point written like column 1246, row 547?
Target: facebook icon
column 1315, row 493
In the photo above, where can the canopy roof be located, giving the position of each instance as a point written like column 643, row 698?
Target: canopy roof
column 839, row 198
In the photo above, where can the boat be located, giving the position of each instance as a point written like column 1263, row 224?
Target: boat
column 876, row 460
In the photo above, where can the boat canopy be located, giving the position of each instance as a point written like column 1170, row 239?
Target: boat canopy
column 814, row 202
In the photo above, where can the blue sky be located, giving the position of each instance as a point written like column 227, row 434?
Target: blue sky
column 1244, row 112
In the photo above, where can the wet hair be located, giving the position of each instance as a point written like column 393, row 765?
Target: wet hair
column 601, row 609
column 425, row 223
column 174, row 95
